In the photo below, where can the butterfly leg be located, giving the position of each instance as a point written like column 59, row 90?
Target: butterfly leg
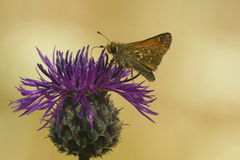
column 119, row 72
column 132, row 74
column 111, row 63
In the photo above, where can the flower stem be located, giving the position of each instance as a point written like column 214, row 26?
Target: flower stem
column 83, row 158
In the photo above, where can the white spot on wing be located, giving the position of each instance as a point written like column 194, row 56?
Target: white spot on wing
column 149, row 51
column 135, row 51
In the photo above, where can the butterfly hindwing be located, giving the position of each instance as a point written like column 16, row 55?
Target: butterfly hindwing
column 149, row 55
column 144, row 70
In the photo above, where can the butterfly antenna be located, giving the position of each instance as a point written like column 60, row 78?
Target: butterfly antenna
column 103, row 35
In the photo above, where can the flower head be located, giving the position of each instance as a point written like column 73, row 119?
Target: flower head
column 83, row 120
column 78, row 77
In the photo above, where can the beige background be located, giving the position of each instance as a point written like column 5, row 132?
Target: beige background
column 198, row 81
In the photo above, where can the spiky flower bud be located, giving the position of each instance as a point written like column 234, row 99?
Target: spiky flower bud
column 74, row 135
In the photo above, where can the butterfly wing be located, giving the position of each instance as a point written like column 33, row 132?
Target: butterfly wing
column 144, row 70
column 146, row 55
column 149, row 52
column 149, row 56
column 161, row 41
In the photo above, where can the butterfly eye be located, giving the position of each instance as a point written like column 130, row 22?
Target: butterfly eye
column 114, row 49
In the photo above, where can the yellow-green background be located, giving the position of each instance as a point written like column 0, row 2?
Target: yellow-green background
column 197, row 83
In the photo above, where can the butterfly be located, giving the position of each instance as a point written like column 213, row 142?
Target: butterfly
column 143, row 56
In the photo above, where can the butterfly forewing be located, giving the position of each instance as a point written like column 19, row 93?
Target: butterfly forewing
column 149, row 52
column 161, row 41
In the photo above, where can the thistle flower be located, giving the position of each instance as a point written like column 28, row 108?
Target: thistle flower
column 82, row 118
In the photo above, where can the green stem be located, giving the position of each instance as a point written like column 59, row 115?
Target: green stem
column 83, row 158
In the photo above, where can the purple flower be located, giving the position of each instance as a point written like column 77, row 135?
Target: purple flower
column 78, row 77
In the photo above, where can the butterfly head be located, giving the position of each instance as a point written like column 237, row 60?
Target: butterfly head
column 112, row 48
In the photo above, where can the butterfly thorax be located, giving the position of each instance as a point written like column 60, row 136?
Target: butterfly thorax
column 120, row 54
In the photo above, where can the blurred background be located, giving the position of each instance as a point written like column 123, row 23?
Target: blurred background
column 197, row 84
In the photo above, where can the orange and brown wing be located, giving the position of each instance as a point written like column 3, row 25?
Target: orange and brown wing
column 161, row 41
column 149, row 52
